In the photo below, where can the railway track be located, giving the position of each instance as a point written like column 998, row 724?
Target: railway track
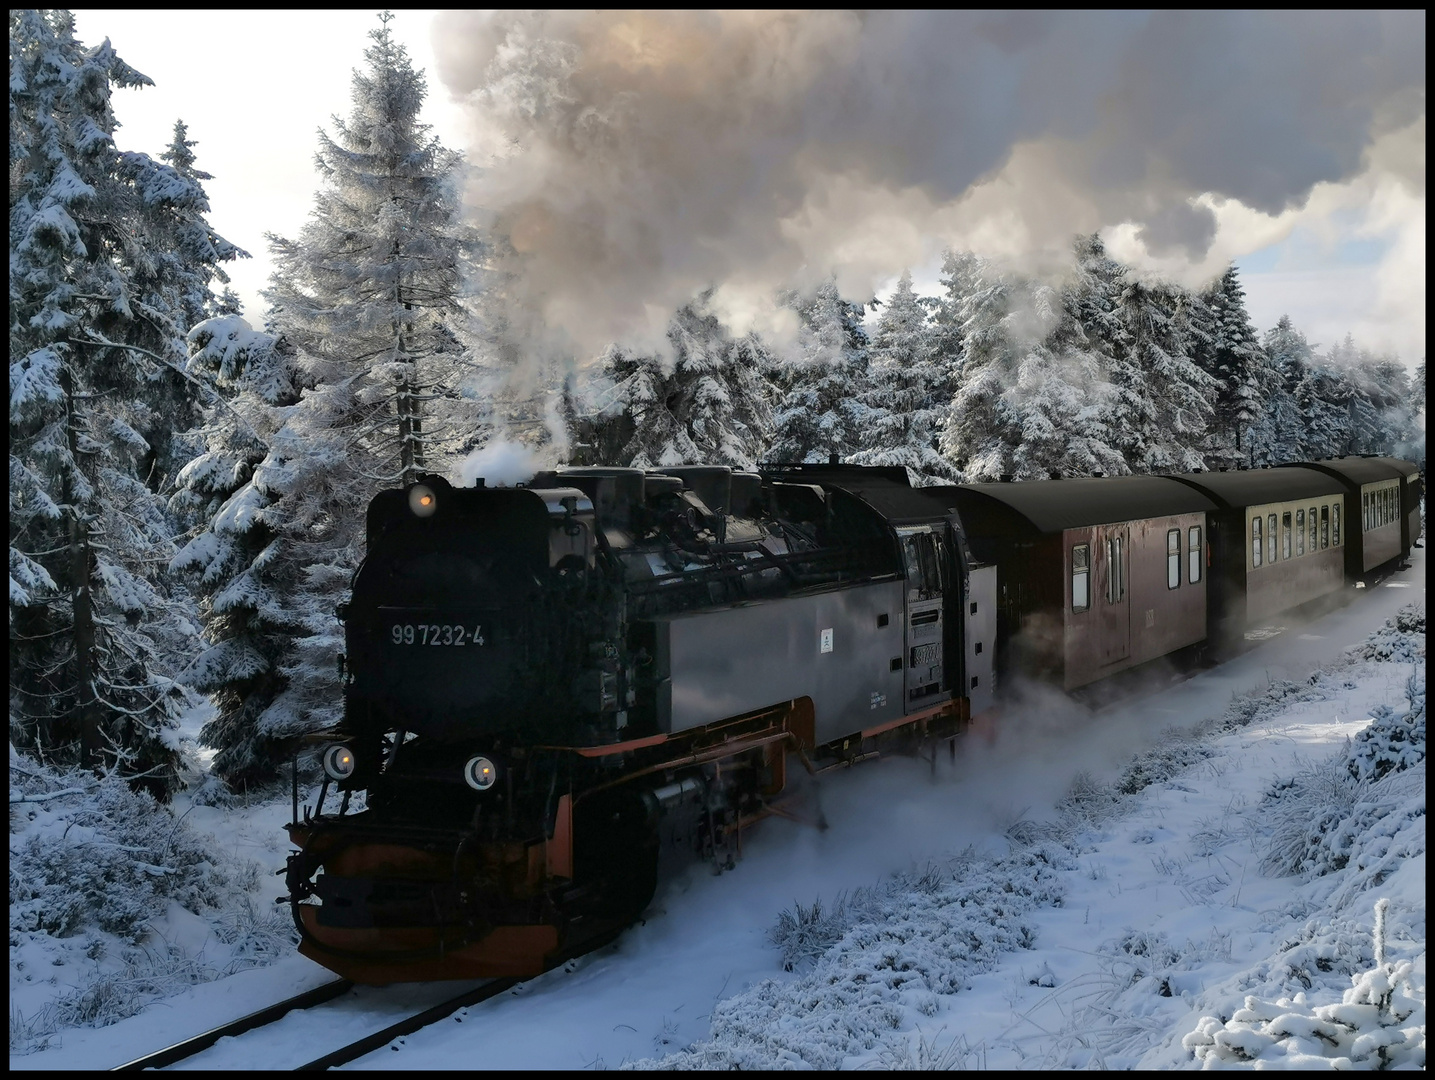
column 331, row 991
column 188, row 1048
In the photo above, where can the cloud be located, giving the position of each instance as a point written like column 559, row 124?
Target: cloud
column 636, row 158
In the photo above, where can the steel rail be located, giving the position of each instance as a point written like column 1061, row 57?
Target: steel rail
column 380, row 1039
column 189, row 1047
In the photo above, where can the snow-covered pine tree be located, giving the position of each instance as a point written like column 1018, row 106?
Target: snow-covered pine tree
column 179, row 282
column 1237, row 363
column 1168, row 396
column 370, row 294
column 1290, row 357
column 977, row 435
column 817, row 414
column 368, row 298
column 1061, row 395
column 709, row 405
column 93, row 632
column 907, row 393
column 247, row 628
column 1320, row 399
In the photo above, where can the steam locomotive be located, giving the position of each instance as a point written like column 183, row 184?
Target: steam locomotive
column 553, row 690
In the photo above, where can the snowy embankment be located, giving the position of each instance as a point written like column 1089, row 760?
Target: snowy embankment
column 1211, row 898
column 1215, row 904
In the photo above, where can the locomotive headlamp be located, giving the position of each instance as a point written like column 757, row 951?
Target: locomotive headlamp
column 338, row 762
column 480, row 773
column 422, row 500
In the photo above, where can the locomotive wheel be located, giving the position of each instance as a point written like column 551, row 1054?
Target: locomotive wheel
column 615, row 850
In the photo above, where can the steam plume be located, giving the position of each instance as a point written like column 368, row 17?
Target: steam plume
column 636, row 158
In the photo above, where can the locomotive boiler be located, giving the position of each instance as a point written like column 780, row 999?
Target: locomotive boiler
column 551, row 690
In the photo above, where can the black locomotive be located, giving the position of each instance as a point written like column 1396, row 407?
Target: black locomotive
column 550, row 687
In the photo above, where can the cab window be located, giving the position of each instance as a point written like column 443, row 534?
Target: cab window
column 1173, row 558
column 1256, row 547
column 1193, row 554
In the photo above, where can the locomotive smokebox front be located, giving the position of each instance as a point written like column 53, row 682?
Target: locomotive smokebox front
column 455, row 630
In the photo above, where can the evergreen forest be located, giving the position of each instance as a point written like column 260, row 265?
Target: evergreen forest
column 188, row 481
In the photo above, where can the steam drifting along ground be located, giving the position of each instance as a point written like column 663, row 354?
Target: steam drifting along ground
column 635, row 159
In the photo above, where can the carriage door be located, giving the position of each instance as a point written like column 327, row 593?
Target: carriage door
column 925, row 565
column 1114, row 553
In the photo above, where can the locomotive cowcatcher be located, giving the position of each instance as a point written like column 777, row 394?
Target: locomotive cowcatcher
column 549, row 687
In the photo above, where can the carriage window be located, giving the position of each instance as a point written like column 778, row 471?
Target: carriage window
column 1324, row 527
column 1300, row 532
column 1313, row 546
column 1255, row 541
column 1193, row 555
column 1271, row 538
column 1115, row 570
column 1389, row 507
column 1081, row 577
column 1365, row 510
column 1335, row 524
column 1173, row 558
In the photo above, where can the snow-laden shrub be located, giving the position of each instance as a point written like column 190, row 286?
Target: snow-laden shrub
column 1321, row 817
column 1400, row 640
column 108, row 856
column 1179, row 752
column 1379, row 1023
column 1395, row 739
column 899, row 945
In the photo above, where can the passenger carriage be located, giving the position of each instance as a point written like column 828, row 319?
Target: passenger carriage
column 1385, row 492
column 1278, row 540
column 1096, row 575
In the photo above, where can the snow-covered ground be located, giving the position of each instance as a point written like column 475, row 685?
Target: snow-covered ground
column 1187, row 878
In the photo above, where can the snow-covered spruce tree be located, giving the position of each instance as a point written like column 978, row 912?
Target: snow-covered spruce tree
column 708, row 405
column 179, row 283
column 1030, row 391
column 1236, row 361
column 1290, row 357
column 232, row 561
column 368, row 299
column 1061, row 395
column 94, row 340
column 907, row 394
column 976, row 437
column 817, row 382
column 1320, row 399
column 1168, row 397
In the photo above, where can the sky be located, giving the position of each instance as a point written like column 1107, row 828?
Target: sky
column 637, row 158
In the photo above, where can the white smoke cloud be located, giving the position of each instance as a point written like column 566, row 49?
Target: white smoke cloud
column 502, row 464
column 634, row 159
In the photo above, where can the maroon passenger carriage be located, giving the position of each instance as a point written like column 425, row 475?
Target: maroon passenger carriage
column 1096, row 575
